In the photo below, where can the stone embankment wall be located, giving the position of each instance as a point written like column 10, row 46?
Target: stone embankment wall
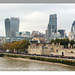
column 40, row 58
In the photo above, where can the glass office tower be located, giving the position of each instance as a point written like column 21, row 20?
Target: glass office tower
column 73, row 27
column 62, row 32
column 11, row 26
column 52, row 26
column 7, row 27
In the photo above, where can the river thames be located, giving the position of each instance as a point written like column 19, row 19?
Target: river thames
column 18, row 64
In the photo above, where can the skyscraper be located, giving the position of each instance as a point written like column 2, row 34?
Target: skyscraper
column 7, row 27
column 11, row 26
column 71, row 35
column 62, row 32
column 73, row 27
column 52, row 26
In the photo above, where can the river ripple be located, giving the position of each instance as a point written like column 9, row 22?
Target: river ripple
column 9, row 64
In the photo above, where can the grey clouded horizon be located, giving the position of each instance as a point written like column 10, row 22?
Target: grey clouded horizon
column 36, row 16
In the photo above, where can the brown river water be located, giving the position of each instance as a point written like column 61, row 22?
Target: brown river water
column 19, row 64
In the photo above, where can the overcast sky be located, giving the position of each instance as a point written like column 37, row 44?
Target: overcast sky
column 36, row 16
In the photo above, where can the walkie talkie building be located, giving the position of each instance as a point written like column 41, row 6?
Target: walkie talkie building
column 11, row 26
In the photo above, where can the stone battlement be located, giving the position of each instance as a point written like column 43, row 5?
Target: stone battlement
column 50, row 49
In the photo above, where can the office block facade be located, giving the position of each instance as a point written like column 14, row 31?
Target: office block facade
column 62, row 32
column 7, row 27
column 52, row 26
column 73, row 27
column 11, row 26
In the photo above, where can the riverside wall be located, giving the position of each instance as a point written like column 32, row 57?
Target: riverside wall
column 41, row 58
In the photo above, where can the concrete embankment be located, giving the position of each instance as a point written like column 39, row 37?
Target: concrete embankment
column 40, row 58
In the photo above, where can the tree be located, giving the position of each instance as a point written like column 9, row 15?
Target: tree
column 1, row 46
column 72, row 42
column 24, row 45
column 61, row 41
column 52, row 41
column 6, row 46
column 57, row 40
column 16, row 45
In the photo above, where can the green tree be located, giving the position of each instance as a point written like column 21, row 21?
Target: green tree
column 61, row 41
column 1, row 46
column 52, row 41
column 24, row 45
column 72, row 42
column 6, row 46
column 16, row 45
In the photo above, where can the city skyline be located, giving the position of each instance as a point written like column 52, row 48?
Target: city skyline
column 36, row 16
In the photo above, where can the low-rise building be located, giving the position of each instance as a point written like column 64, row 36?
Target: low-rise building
column 42, row 49
column 16, row 39
column 50, row 49
column 37, row 34
column 35, row 49
column 71, row 36
column 2, row 39
column 56, row 35
column 23, row 34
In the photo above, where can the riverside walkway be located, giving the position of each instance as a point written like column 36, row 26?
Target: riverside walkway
column 27, row 55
